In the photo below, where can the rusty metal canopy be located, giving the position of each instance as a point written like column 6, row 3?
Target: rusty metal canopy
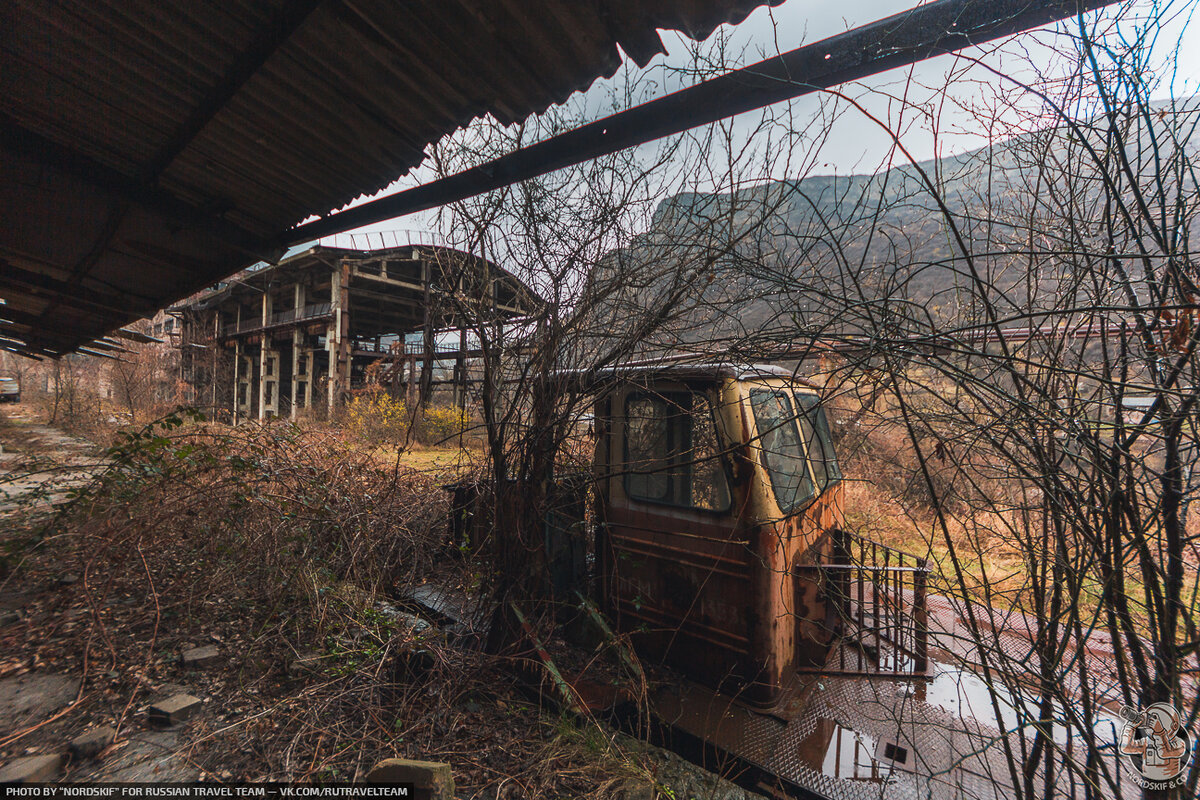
column 149, row 148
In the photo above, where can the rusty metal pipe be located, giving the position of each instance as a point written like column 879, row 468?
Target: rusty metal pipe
column 934, row 29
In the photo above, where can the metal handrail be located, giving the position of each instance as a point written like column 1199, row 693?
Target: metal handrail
column 879, row 592
column 310, row 311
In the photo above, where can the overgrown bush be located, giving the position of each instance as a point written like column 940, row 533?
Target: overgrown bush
column 274, row 513
column 439, row 424
column 375, row 416
column 283, row 545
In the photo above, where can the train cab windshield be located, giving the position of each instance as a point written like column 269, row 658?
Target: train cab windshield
column 796, row 445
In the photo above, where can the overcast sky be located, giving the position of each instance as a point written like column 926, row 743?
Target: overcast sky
column 855, row 144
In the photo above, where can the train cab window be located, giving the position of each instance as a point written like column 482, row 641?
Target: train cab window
column 814, row 427
column 673, row 453
column 783, row 450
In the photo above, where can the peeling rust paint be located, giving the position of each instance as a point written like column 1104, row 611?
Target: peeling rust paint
column 716, row 595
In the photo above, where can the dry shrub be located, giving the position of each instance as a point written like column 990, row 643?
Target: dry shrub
column 884, row 451
column 440, row 424
column 277, row 513
column 278, row 543
column 74, row 409
column 375, row 416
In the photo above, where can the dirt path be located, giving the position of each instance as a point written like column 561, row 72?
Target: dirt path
column 40, row 702
column 39, row 464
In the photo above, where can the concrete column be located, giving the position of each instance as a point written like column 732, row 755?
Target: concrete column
column 331, row 349
column 460, row 370
column 299, row 301
column 237, row 373
column 212, row 375
column 427, row 343
column 337, row 341
column 263, row 352
column 410, row 380
column 310, row 368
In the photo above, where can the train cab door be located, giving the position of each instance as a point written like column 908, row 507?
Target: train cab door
column 675, row 567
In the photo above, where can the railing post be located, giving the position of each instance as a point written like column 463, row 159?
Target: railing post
column 920, row 618
column 840, row 581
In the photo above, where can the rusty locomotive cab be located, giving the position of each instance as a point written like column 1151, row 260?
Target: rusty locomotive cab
column 718, row 547
column 718, row 491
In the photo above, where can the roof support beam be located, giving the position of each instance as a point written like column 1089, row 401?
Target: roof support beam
column 36, row 355
column 59, row 340
column 97, row 354
column 41, row 284
column 268, row 40
column 278, row 29
column 18, row 139
column 136, row 336
column 923, row 32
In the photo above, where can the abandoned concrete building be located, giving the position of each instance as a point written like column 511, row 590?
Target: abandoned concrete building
column 324, row 321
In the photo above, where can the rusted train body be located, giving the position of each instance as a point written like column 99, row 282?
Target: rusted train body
column 717, row 491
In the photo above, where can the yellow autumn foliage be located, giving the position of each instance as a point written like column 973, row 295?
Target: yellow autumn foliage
column 377, row 417
column 441, row 423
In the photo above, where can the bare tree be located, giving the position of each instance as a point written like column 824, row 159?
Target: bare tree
column 1049, row 470
column 1030, row 310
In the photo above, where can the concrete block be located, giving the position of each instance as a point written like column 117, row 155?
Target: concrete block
column 31, row 769
column 200, row 657
column 89, row 744
column 174, row 710
column 432, row 780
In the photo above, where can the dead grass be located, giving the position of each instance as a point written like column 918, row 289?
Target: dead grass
column 276, row 543
column 444, row 461
column 884, row 502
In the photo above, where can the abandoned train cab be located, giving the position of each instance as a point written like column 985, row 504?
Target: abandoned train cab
column 717, row 490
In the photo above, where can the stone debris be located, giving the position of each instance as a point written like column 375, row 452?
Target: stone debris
column 89, row 744
column 67, row 578
column 432, row 780
column 200, row 657
column 31, row 769
column 163, row 691
column 410, row 621
column 173, row 710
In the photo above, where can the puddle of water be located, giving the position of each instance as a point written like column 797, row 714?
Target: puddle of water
column 849, row 755
column 967, row 696
column 844, row 753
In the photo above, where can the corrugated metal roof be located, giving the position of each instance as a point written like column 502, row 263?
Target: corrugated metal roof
column 150, row 147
